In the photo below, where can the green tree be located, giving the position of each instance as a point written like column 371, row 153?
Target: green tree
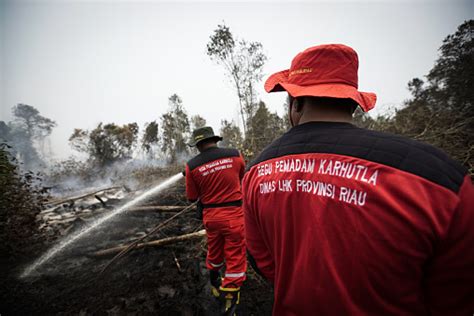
column 264, row 128
column 243, row 63
column 362, row 119
column 79, row 140
column 5, row 131
column 452, row 78
column 197, row 121
column 35, row 125
column 231, row 134
column 150, row 138
column 21, row 199
column 175, row 129
column 27, row 130
column 107, row 143
column 441, row 110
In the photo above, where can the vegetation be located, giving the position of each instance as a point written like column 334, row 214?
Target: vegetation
column 106, row 144
column 176, row 130
column 26, row 133
column 264, row 127
column 21, row 200
column 231, row 134
column 150, row 139
column 243, row 63
column 197, row 121
column 440, row 110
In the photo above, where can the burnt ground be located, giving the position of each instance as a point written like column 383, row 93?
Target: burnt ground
column 146, row 281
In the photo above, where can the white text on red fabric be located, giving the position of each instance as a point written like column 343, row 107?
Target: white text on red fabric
column 324, row 167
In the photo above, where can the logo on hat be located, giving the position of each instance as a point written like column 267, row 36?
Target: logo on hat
column 300, row 71
column 203, row 133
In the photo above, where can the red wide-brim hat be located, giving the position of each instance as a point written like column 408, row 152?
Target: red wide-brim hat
column 323, row 71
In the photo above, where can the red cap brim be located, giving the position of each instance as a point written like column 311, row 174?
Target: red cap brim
column 279, row 82
column 273, row 82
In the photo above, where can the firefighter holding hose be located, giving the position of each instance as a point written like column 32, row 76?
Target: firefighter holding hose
column 213, row 178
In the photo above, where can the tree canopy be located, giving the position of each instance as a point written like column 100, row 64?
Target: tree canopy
column 175, row 129
column 107, row 143
column 441, row 108
column 26, row 134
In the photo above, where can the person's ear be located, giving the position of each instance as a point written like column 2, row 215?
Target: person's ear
column 296, row 111
column 298, row 105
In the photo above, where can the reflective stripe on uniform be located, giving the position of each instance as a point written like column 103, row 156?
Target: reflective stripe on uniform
column 234, row 275
column 216, row 265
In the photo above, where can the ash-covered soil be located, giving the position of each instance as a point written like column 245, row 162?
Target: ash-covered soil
column 146, row 281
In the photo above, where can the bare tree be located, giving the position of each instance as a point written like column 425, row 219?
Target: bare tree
column 243, row 62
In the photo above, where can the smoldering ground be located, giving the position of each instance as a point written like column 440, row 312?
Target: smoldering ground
column 171, row 280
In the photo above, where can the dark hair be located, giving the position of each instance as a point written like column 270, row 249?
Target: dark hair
column 208, row 141
column 342, row 104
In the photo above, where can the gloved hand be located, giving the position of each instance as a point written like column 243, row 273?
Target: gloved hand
column 183, row 173
column 230, row 299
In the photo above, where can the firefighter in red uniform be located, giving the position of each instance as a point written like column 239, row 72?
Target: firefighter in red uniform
column 214, row 178
column 348, row 221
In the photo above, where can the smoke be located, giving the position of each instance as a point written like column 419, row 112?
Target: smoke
column 76, row 176
column 22, row 148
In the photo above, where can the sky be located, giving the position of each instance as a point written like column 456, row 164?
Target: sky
column 85, row 62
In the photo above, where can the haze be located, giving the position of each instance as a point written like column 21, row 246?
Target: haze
column 81, row 63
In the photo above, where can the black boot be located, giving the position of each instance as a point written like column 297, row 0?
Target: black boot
column 230, row 299
column 215, row 278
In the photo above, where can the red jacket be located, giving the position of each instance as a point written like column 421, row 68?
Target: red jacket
column 214, row 177
column 346, row 221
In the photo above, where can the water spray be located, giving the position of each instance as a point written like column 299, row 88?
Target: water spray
column 81, row 233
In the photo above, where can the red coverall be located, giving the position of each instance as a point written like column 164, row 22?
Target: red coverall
column 346, row 221
column 214, row 177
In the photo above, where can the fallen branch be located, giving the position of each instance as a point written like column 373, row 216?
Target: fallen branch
column 100, row 200
column 153, row 243
column 125, row 249
column 72, row 199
